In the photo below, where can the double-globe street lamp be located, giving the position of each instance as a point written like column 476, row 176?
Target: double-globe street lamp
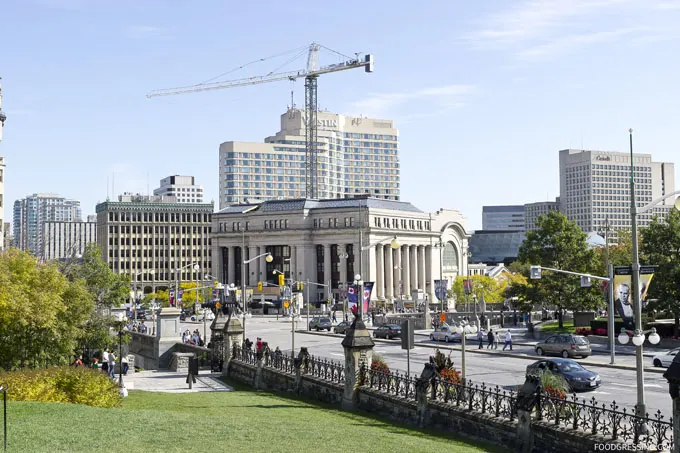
column 244, row 299
column 638, row 333
column 196, row 268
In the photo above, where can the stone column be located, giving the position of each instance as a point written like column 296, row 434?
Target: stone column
column 406, row 270
column 231, row 266
column 414, row 266
column 389, row 274
column 293, row 263
column 429, row 275
column 380, row 272
column 396, row 271
column 421, row 268
column 326, row 268
column 369, row 269
column 251, row 268
column 342, row 249
column 258, row 264
column 358, row 347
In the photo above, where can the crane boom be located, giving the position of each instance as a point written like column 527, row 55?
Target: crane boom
column 310, row 74
column 277, row 77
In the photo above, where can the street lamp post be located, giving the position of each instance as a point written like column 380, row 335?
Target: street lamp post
column 394, row 244
column 195, row 266
column 268, row 258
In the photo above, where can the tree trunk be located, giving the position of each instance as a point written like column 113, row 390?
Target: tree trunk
column 560, row 317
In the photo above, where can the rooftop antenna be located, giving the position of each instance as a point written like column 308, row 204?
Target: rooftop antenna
column 107, row 188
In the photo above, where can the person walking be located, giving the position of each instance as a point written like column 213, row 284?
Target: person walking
column 112, row 364
column 105, row 361
column 495, row 339
column 335, row 320
column 508, row 340
column 480, row 337
column 489, row 337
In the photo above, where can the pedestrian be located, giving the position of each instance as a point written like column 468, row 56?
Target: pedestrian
column 508, row 340
column 105, row 361
column 495, row 340
column 334, row 318
column 258, row 345
column 126, row 365
column 489, row 338
column 78, row 361
column 95, row 363
column 112, row 364
column 480, row 337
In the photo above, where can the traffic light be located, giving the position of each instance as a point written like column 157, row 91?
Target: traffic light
column 259, row 286
column 282, row 280
column 535, row 272
column 301, row 286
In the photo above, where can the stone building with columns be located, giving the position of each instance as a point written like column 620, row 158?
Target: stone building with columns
column 330, row 241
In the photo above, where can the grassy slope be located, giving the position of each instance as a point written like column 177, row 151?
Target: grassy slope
column 239, row 421
column 552, row 327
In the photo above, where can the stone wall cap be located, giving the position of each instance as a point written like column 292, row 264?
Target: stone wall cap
column 358, row 336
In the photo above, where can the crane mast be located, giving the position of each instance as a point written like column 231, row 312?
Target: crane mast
column 310, row 74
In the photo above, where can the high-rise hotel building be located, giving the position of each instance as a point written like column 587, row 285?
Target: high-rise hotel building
column 356, row 156
column 595, row 186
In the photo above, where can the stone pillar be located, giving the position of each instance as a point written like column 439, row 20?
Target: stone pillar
column 413, row 250
column 429, row 275
column 251, row 277
column 258, row 264
column 231, row 266
column 396, row 271
column 524, row 440
column 327, row 268
column 342, row 249
column 421, row 268
column 369, row 269
column 389, row 275
column 168, row 332
column 406, row 270
column 358, row 347
column 380, row 272
column 293, row 263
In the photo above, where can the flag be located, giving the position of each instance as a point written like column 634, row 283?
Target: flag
column 368, row 289
column 180, row 293
column 352, row 297
column 171, row 297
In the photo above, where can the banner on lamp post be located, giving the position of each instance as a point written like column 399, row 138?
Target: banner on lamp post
column 623, row 286
column 351, row 297
column 368, row 289
column 440, row 287
column 180, row 294
column 467, row 286
column 171, row 297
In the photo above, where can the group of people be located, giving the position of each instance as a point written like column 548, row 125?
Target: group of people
column 192, row 338
column 134, row 326
column 107, row 364
column 492, row 339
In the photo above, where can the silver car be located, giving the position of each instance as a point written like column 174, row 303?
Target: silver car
column 565, row 345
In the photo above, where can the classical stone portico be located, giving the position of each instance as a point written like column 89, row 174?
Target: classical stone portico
column 330, row 241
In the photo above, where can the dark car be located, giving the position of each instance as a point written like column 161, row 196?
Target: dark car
column 140, row 314
column 342, row 327
column 320, row 324
column 573, row 372
column 388, row 331
column 186, row 313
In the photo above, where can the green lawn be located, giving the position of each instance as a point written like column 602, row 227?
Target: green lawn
column 553, row 327
column 239, row 421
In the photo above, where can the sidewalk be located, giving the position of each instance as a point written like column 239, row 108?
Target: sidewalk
column 173, row 382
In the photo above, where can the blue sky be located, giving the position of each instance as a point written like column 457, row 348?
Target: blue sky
column 484, row 93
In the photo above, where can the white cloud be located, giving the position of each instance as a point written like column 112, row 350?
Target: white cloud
column 442, row 96
column 536, row 29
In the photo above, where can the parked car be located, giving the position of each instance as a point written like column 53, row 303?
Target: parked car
column 209, row 316
column 320, row 324
column 342, row 327
column 186, row 313
column 565, row 345
column 140, row 314
column 664, row 359
column 445, row 333
column 388, row 331
column 573, row 372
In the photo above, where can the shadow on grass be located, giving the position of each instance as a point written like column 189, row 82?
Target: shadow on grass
column 379, row 423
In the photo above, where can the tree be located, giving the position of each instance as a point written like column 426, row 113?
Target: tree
column 661, row 246
column 491, row 289
column 620, row 253
column 41, row 313
column 560, row 244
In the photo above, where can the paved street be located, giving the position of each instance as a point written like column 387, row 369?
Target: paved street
column 617, row 384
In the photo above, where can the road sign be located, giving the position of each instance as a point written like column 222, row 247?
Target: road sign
column 286, row 304
column 442, row 317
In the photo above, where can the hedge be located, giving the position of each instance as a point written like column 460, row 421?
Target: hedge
column 64, row 384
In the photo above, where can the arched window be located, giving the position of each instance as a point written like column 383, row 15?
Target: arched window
column 450, row 257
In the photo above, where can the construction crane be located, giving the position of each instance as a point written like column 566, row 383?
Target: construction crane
column 310, row 74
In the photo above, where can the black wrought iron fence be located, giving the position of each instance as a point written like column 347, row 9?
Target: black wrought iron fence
column 280, row 361
column 396, row 384
column 608, row 420
column 326, row 369
column 478, row 397
column 244, row 355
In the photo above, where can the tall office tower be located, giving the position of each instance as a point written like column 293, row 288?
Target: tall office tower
column 2, row 180
column 595, row 186
column 156, row 240
column 32, row 212
column 502, row 218
column 532, row 211
column 66, row 239
column 355, row 156
column 183, row 188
